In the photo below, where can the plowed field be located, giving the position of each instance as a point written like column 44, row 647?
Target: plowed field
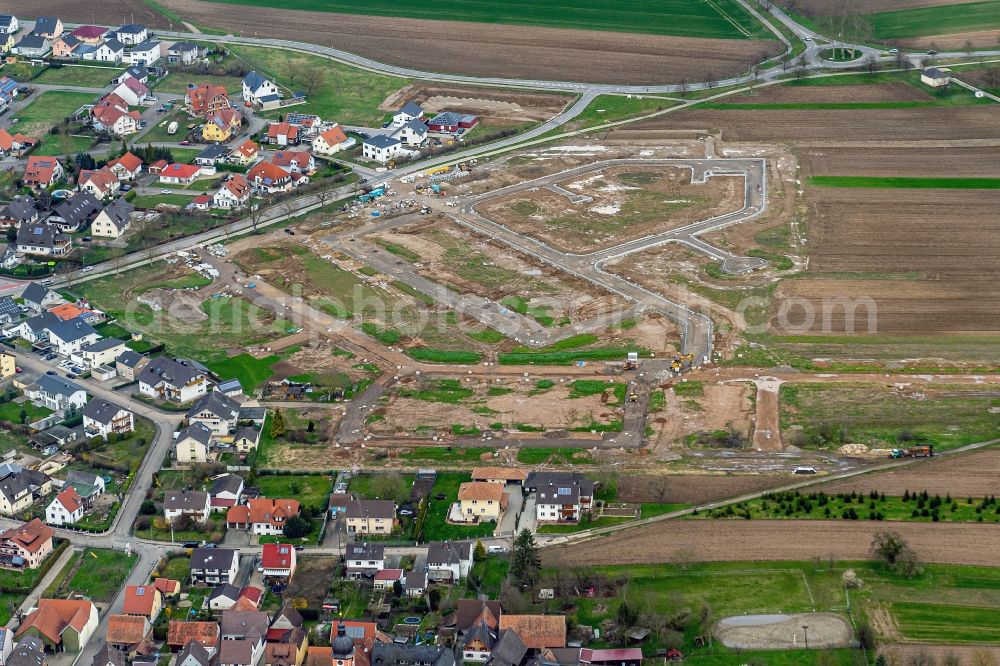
column 970, row 475
column 791, row 94
column 731, row 540
column 901, row 162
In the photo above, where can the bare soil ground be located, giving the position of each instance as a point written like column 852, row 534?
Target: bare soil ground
column 969, row 475
column 923, row 258
column 470, row 263
column 490, row 104
column 839, row 126
column 551, row 409
column 968, row 162
column 723, row 407
column 691, row 488
column 723, row 540
column 898, row 654
column 953, row 41
column 879, row 92
column 323, row 454
column 313, row 576
column 826, row 630
column 626, row 203
column 453, row 47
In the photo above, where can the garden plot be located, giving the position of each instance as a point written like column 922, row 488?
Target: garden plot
column 606, row 208
column 425, row 407
column 469, row 263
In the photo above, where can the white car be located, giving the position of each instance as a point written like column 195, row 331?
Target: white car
column 497, row 549
column 86, row 269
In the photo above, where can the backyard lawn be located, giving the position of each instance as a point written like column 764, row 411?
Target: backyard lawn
column 83, row 76
column 47, row 110
column 94, row 573
column 309, row 490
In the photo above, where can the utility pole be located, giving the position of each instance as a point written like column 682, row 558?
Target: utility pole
column 805, row 631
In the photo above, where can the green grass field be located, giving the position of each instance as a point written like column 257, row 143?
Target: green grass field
column 436, row 526
column 947, row 623
column 96, row 573
column 309, row 490
column 720, row 19
column 609, row 108
column 941, row 20
column 78, row 75
column 906, row 183
column 177, row 82
column 48, row 110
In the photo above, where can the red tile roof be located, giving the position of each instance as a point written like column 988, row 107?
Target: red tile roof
column 182, row 171
column 103, row 179
column 291, row 132
column 167, row 586
column 140, row 599
column 40, row 169
column 206, row 98
column 284, row 158
column 334, row 136
column 537, row 631
column 237, row 186
column 130, row 162
column 126, row 629
column 248, row 148
column 277, row 556
column 205, row 633
column 29, row 537
column 265, row 171
column 53, row 616
column 389, row 574
column 70, row 499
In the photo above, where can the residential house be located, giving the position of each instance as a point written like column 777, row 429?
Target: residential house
column 538, row 632
column 102, row 417
column 191, row 503
column 68, row 337
column 182, row 53
column 294, row 161
column 37, row 297
column 87, row 484
column 35, row 329
column 249, row 626
column 137, row 72
column 85, row 52
column 205, row 634
column 65, row 509
column 282, row 134
column 102, row 352
column 234, row 193
column 29, row 651
column 62, row 624
column 386, row 579
column 132, row 34
column 381, row 148
column 934, row 77
column 216, row 411
column 142, row 601
column 129, row 364
column 499, row 475
column 127, row 633
column 258, row 90
column 110, row 50
column 338, row 503
column 269, row 178
column 180, row 174
column 415, row 583
column 194, row 654
column 63, row 47
column 510, row 650
column 409, row 111
column 8, row 259
column 20, row 487
column 560, row 497
column 9, row 24
column 331, row 141
column 178, row 380
column 221, row 126
column 133, row 91
column 14, row 144
column 157, row 167
column 277, row 561
column 109, row 656
column 126, row 167
column 246, row 439
column 480, row 501
column 205, row 100
column 262, row 516
column 201, row 202
column 144, row 54
column 210, row 156
column 74, row 213
column 212, row 566
column 25, row 547
column 364, row 559
column 449, row 561
column 226, row 492
column 450, row 122
column 223, row 597
column 480, row 639
column 32, row 46
column 111, row 114
column 90, row 34
column 6, row 46
column 291, row 650
column 410, row 654
column 245, row 154
column 411, row 133
column 21, row 210
column 192, row 444
column 114, row 220
column 238, row 652
column 42, row 172
column 611, row 657
column 168, row 587
column 309, row 123
column 101, row 183
column 365, row 516
column 56, row 393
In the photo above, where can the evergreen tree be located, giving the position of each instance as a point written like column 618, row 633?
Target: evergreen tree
column 526, row 562
column 480, row 553
column 277, row 424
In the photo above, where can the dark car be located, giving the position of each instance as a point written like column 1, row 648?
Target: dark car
column 190, row 544
column 289, row 232
column 50, row 372
column 70, row 375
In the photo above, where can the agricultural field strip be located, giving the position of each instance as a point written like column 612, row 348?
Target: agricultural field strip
column 492, row 314
column 587, row 267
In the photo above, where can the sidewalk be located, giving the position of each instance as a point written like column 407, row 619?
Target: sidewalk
column 32, row 598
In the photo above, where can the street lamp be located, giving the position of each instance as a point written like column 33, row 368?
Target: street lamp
column 805, row 631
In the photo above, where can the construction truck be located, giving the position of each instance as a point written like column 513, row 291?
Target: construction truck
column 922, row 451
column 425, row 210
column 631, row 361
column 633, row 396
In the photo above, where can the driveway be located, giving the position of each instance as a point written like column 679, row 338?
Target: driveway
column 527, row 521
column 508, row 522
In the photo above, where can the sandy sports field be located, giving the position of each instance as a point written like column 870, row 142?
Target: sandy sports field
column 734, row 540
column 784, row 632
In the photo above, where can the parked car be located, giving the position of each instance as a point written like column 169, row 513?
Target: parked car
column 86, row 269
column 497, row 549
column 50, row 372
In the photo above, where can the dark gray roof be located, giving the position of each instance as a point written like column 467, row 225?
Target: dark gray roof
column 46, row 24
column 365, row 550
column 408, row 654
column 213, row 558
column 103, row 344
column 253, row 80
column 71, row 330
column 109, row 656
column 226, row 483
column 55, row 385
column 935, row 73
column 131, row 28
column 147, row 45
column 183, row 46
column 411, row 109
column 219, row 404
column 39, row 235
column 118, row 212
column 535, row 480
column 226, row 591
column 381, row 141
column 229, row 385
column 247, row 432
column 509, row 650
column 6, row 21
column 175, row 372
column 101, row 410
column 449, row 552
column 30, row 651
column 185, row 499
column 416, row 125
column 31, row 42
column 21, row 208
column 370, row 509
column 35, row 293
column 39, row 323
column 9, row 307
column 415, row 580
column 80, row 476
column 213, row 152
column 195, row 650
column 481, row 632
column 129, row 358
column 77, row 208
column 114, row 45
column 251, row 625
column 137, row 72
column 16, row 482
column 196, row 431
column 252, row 413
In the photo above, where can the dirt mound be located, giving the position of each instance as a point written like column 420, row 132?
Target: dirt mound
column 784, row 632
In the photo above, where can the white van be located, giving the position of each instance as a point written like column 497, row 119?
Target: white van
column 497, row 549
